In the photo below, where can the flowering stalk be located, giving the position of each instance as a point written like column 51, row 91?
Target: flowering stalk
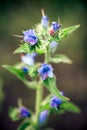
column 38, row 100
column 43, row 40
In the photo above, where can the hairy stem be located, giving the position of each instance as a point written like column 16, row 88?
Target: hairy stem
column 39, row 90
column 38, row 99
column 47, row 55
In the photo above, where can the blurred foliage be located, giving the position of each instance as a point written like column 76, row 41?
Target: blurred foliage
column 1, row 94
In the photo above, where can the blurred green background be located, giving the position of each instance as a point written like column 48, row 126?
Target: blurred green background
column 19, row 15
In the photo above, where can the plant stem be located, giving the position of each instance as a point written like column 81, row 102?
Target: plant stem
column 47, row 55
column 39, row 90
column 38, row 100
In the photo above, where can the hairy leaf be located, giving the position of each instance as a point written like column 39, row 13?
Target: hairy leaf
column 50, row 84
column 20, row 75
column 58, row 58
column 66, row 31
column 69, row 106
column 24, row 48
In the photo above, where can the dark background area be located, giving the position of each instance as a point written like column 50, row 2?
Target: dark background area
column 19, row 15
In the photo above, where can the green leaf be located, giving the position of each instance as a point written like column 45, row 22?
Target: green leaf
column 69, row 106
column 67, row 31
column 50, row 84
column 24, row 125
column 24, row 48
column 13, row 113
column 40, row 50
column 18, row 72
column 20, row 75
column 58, row 58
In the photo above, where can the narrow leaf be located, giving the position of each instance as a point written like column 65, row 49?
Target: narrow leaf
column 58, row 58
column 20, row 75
column 24, row 48
column 69, row 106
column 66, row 31
column 51, row 86
column 15, row 71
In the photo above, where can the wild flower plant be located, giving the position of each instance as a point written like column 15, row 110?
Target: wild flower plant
column 43, row 39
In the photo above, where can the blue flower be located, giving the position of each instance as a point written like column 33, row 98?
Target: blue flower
column 25, row 69
column 24, row 112
column 28, row 58
column 46, row 70
column 53, row 44
column 44, row 21
column 43, row 117
column 55, row 102
column 30, row 37
column 55, row 26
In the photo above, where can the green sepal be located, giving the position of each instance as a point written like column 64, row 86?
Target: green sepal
column 67, row 31
column 35, row 47
column 58, row 58
column 27, row 48
column 14, row 113
column 33, row 70
column 50, row 84
column 20, row 75
column 40, row 50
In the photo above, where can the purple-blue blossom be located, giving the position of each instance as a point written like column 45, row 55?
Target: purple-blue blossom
column 30, row 37
column 55, row 26
column 55, row 102
column 44, row 21
column 43, row 117
column 53, row 44
column 46, row 70
column 24, row 112
column 28, row 58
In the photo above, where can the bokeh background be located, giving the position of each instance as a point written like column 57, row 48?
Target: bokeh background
column 19, row 15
